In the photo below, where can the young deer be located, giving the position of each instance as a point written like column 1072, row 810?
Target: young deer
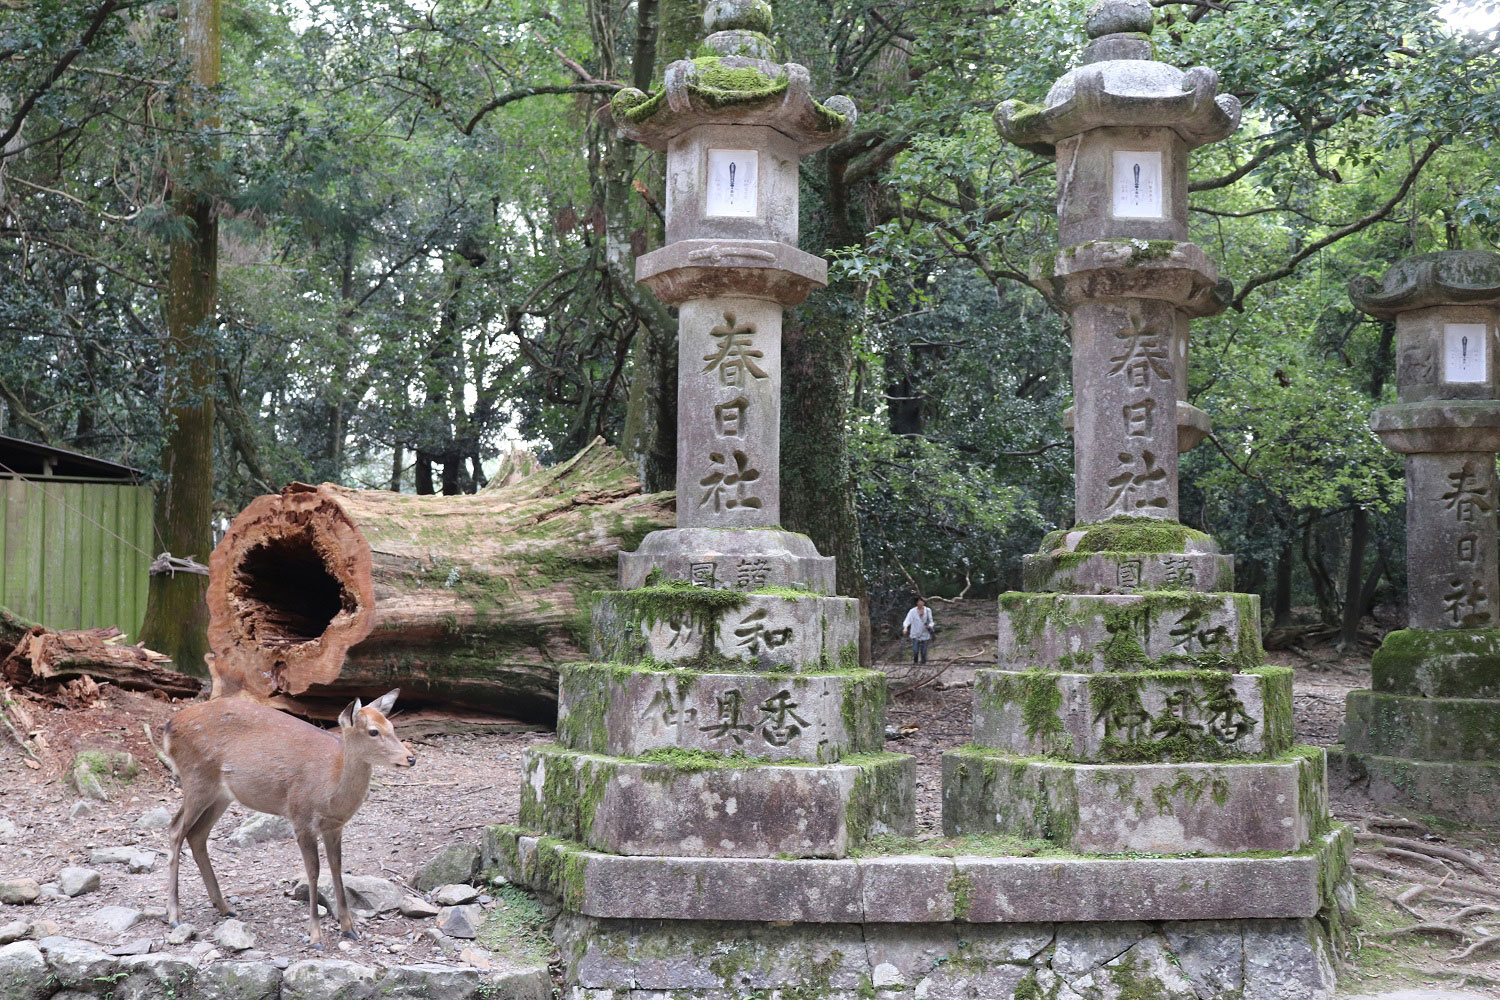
column 273, row 763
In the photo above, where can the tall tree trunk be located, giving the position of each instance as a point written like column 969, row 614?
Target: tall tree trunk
column 398, row 458
column 422, row 474
column 176, row 620
column 1354, row 608
column 1281, row 600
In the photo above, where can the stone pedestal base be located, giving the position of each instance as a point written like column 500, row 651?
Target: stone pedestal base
column 905, row 925
column 1427, row 737
column 1464, row 792
column 727, row 558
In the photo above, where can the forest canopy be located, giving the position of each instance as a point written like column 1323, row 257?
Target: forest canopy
column 418, row 222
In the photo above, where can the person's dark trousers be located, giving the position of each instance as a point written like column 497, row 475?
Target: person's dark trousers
column 919, row 650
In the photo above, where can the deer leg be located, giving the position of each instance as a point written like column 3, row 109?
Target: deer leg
column 333, row 842
column 307, row 842
column 197, row 838
column 187, row 815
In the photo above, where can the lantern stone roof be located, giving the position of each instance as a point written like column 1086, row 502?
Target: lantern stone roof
column 1449, row 277
column 1119, row 84
column 735, row 83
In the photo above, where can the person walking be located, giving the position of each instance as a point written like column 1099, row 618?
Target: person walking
column 918, row 626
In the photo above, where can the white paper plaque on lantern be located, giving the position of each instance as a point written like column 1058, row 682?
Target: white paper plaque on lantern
column 732, row 177
column 1138, row 184
column 1464, row 352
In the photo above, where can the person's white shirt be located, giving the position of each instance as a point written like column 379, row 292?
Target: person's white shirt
column 918, row 623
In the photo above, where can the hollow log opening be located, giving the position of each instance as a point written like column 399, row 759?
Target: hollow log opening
column 285, row 589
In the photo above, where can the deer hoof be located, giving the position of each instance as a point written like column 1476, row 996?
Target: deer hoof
column 352, row 934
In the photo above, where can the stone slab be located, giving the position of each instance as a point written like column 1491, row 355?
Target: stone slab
column 629, row 711
column 641, row 960
column 1448, row 663
column 716, row 806
column 765, row 633
column 1433, row 729
column 1465, row 792
column 1223, row 808
column 1162, row 630
column 1200, row 715
column 729, row 559
column 921, row 889
column 1126, row 572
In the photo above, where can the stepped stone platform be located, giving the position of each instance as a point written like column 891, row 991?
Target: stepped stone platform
column 1426, row 736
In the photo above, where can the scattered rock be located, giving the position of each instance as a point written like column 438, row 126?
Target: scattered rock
column 461, row 921
column 24, row 973
column 20, row 891
column 51, row 892
column 454, row 863
column 77, row 881
column 320, row 978
column 154, row 912
column 440, row 981
column 238, row 980
column 234, row 936
column 261, row 828
column 80, row 809
column 436, row 936
column 135, row 946
column 8, row 830
column 110, row 855
column 13, row 931
column 477, row 957
column 97, row 774
column 155, row 819
column 181, row 934
column 366, row 895
column 204, row 951
column 118, row 919
column 417, row 907
column 45, row 928
column 455, row 895
column 141, row 861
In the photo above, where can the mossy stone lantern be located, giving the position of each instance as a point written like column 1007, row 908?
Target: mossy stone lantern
column 733, row 125
column 1427, row 736
column 1121, row 126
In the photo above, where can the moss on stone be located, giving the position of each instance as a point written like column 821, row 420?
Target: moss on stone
column 961, row 888
column 881, row 795
column 1145, row 251
column 1025, row 117
column 1447, row 663
column 1128, row 534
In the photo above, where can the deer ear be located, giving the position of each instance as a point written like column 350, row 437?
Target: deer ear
column 386, row 702
column 346, row 717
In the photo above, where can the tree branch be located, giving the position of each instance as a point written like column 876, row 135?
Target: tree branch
column 1341, row 232
column 524, row 92
column 101, row 15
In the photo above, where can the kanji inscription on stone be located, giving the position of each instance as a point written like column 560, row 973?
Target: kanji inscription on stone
column 725, row 488
column 780, row 723
column 1140, row 484
column 753, row 634
column 736, row 358
column 1465, row 496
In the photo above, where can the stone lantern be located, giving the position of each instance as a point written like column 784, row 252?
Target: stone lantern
column 1131, row 680
column 1427, row 736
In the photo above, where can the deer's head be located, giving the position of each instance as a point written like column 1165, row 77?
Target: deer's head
column 369, row 736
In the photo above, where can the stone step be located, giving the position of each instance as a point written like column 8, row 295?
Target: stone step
column 1450, row 663
column 918, row 888
column 628, row 711
column 1465, row 792
column 1197, row 715
column 726, row 630
column 1393, row 725
column 1224, row 808
column 1160, row 630
column 697, row 805
column 1126, row 572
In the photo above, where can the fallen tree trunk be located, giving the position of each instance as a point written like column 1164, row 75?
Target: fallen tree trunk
column 36, row 654
column 321, row 593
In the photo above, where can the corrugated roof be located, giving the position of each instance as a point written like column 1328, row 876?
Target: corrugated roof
column 37, row 461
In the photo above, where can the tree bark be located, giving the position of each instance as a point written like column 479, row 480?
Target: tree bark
column 1354, row 606
column 320, row 593
column 1281, row 600
column 176, row 618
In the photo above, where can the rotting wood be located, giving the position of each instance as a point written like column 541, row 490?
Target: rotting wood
column 322, row 593
column 34, row 655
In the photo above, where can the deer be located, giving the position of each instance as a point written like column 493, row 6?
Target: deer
column 232, row 748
